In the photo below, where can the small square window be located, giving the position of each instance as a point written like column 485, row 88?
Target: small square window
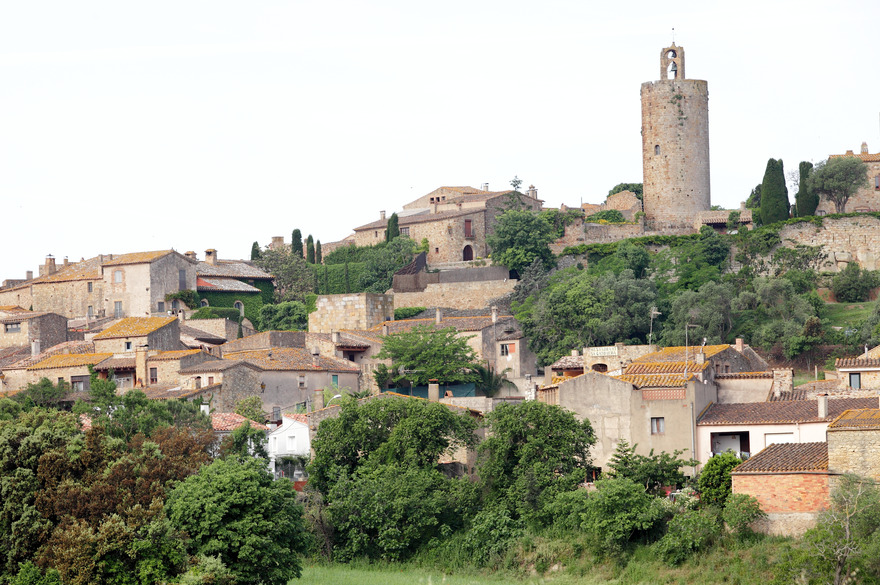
column 210, row 380
column 117, row 276
column 658, row 425
column 855, row 380
column 161, row 307
column 13, row 327
column 127, row 346
column 154, row 376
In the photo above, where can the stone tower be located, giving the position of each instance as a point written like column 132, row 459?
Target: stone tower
column 675, row 144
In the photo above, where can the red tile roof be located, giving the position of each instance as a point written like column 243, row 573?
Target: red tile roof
column 787, row 458
column 134, row 327
column 857, row 362
column 229, row 421
column 291, row 358
column 791, row 411
column 678, row 353
column 864, row 419
column 70, row 360
column 568, row 362
column 656, row 380
column 642, row 367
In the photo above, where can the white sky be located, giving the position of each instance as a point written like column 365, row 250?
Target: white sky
column 210, row 124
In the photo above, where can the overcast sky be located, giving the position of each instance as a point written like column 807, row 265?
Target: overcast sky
column 211, row 124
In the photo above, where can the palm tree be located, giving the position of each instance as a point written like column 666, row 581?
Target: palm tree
column 491, row 382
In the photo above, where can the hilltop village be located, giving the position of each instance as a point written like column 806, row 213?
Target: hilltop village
column 253, row 344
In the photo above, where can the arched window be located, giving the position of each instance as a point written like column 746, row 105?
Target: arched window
column 468, row 253
column 656, row 149
column 240, row 306
column 203, row 303
column 198, row 381
column 600, row 368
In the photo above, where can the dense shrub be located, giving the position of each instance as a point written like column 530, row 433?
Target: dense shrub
column 852, row 284
column 609, row 215
column 491, row 534
column 407, row 312
column 715, row 479
column 617, row 513
column 740, row 511
column 688, row 533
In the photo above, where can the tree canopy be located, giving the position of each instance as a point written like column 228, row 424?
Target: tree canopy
column 635, row 188
column 296, row 243
column 521, row 237
column 425, row 353
column 806, row 200
column 393, row 228
column 293, row 278
column 839, row 178
column 774, row 194
column 383, row 261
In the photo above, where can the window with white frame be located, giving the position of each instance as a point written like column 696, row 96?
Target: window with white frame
column 658, row 425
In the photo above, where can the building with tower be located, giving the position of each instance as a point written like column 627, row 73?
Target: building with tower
column 675, row 144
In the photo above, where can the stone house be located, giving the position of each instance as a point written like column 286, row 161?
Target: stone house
column 866, row 198
column 454, row 220
column 117, row 285
column 234, row 284
column 357, row 311
column 129, row 334
column 33, row 330
column 859, row 372
column 71, row 368
column 793, row 481
column 223, row 383
column 14, row 363
column 749, row 428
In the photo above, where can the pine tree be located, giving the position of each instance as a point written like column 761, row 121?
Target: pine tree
column 393, row 229
column 296, row 244
column 310, row 250
column 318, row 256
column 774, row 194
column 806, row 200
column 255, row 251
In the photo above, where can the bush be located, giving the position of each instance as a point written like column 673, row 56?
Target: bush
column 491, row 534
column 407, row 312
column 566, row 510
column 217, row 313
column 609, row 215
column 689, row 532
column 740, row 512
column 715, row 479
column 619, row 511
column 852, row 284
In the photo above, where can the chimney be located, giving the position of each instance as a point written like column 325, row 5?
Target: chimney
column 533, row 193
column 849, row 153
column 318, row 399
column 494, row 314
column 277, row 242
column 140, row 366
column 65, row 261
column 316, row 353
column 574, row 353
column 211, row 256
column 334, row 337
column 29, row 275
column 35, row 347
column 822, row 399
column 49, row 266
column 384, row 328
column 438, row 315
column 740, row 346
column 382, row 214
column 783, row 380
column 864, row 148
column 700, row 358
column 434, row 392
column 485, row 187
column 191, row 255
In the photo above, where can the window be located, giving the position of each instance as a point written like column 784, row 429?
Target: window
column 656, row 149
column 90, row 311
column 302, row 381
column 154, row 375
column 404, row 231
column 436, row 250
column 174, row 304
column 204, row 303
column 240, row 306
column 468, row 228
column 117, row 276
column 658, row 425
column 181, row 279
column 335, row 379
column 89, row 286
column 79, row 383
column 877, row 182
column 855, row 380
column 276, row 413
column 127, row 346
column 117, row 309
column 13, row 327
column 198, row 381
column 161, row 307
column 508, row 348
column 210, row 380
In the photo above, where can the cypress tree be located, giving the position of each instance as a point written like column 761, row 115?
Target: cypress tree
column 318, row 256
column 393, row 229
column 310, row 250
column 296, row 243
column 255, row 252
column 774, row 194
column 806, row 200
column 347, row 285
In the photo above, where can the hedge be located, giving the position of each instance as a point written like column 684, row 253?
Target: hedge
column 330, row 279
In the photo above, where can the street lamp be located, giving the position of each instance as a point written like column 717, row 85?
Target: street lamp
column 654, row 313
column 332, row 399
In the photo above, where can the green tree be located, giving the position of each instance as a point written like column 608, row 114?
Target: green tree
column 293, row 278
column 706, row 312
column 310, row 250
column 515, row 182
column 233, row 509
column 44, row 393
column 652, row 471
column 384, row 261
column 244, row 442
column 806, row 200
column 318, row 255
column 255, row 251
column 424, row 354
column 618, row 513
column 838, row 179
column 296, row 244
column 491, row 382
column 521, row 237
column 393, row 228
column 609, row 215
column 852, row 284
column 715, row 482
column 251, row 408
column 635, row 188
column 774, row 194
column 534, row 451
column 289, row 316
column 740, row 512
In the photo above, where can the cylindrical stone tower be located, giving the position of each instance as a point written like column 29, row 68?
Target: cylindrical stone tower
column 675, row 144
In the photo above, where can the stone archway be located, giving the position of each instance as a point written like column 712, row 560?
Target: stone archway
column 468, row 253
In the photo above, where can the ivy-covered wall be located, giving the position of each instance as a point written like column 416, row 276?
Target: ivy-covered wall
column 334, row 282
column 252, row 302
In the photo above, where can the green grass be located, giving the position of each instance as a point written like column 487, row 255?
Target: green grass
column 406, row 575
column 842, row 314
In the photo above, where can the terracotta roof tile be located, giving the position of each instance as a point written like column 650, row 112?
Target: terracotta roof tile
column 196, row 333
column 473, row 323
column 136, row 257
column 229, row 421
column 203, row 283
column 134, row 327
column 424, row 217
column 298, row 417
column 656, row 380
column 568, row 362
column 172, row 355
column 71, row 360
column 790, row 411
column 174, row 392
column 677, row 354
column 865, row 157
column 664, row 367
column 291, row 358
column 787, row 458
column 796, row 394
column 232, row 269
column 857, row 362
column 85, row 270
column 218, row 366
column 71, row 347
column 865, row 418
column 117, row 363
column 743, row 375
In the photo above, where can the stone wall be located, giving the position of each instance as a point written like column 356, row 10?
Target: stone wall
column 236, row 385
column 351, row 311
column 49, row 330
column 266, row 340
column 854, row 451
column 844, row 240
column 865, row 199
column 461, row 295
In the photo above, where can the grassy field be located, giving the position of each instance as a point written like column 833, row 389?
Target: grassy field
column 405, row 575
column 843, row 314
